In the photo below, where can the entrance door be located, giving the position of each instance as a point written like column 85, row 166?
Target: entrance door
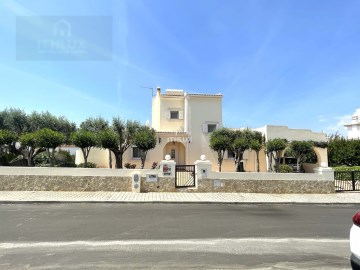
column 176, row 150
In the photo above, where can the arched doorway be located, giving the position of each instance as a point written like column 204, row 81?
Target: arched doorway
column 176, row 150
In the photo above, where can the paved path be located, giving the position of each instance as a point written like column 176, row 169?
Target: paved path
column 176, row 197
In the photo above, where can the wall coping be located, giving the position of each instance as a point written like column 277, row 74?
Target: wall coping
column 46, row 171
column 56, row 171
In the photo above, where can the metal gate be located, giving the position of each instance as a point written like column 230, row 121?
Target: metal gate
column 347, row 180
column 184, row 176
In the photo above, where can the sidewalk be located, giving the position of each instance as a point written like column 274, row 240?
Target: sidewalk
column 175, row 197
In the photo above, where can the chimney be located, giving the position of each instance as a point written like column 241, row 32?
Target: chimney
column 158, row 91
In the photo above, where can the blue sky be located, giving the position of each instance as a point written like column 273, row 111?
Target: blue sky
column 279, row 62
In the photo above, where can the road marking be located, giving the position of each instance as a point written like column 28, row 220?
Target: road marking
column 196, row 242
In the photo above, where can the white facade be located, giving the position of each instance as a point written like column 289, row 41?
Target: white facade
column 353, row 129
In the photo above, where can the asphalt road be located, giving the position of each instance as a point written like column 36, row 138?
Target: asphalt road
column 166, row 236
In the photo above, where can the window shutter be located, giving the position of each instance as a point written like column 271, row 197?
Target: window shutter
column 181, row 115
column 205, row 128
column 167, row 114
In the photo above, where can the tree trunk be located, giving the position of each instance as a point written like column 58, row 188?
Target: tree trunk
column 53, row 157
column 257, row 161
column 118, row 160
column 298, row 164
column 220, row 159
column 110, row 159
column 30, row 156
column 240, row 165
column 143, row 158
column 85, row 157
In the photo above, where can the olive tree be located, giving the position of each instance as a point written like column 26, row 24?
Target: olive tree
column 85, row 140
column 7, row 141
column 301, row 149
column 50, row 140
column 274, row 149
column 29, row 144
column 125, row 131
column 145, row 140
column 97, row 125
column 220, row 141
column 241, row 141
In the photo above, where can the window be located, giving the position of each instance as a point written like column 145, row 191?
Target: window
column 136, row 152
column 230, row 154
column 172, row 153
column 174, row 114
column 209, row 127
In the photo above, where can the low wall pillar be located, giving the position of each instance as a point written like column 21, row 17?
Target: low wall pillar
column 167, row 167
column 327, row 172
column 203, row 167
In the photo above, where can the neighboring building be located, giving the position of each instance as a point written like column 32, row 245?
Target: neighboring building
column 183, row 124
column 353, row 129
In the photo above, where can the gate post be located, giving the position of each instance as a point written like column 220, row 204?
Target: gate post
column 203, row 168
column 167, row 167
column 327, row 172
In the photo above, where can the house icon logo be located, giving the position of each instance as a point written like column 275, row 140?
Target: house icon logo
column 62, row 29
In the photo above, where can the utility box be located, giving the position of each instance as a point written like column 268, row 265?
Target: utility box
column 136, row 182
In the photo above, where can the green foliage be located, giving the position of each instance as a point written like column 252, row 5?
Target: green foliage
column 108, row 139
column 48, row 138
column 96, row 124
column 84, row 138
column 63, row 158
column 47, row 120
column 220, row 141
column 145, row 140
column 301, row 149
column 7, row 137
column 119, row 138
column 284, row 168
column 14, row 120
column 88, row 165
column 274, row 148
column 276, row 145
column 346, row 168
column 42, row 160
column 28, row 139
column 320, row 144
column 343, row 152
column 7, row 158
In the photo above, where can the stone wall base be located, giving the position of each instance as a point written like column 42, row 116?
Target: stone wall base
column 164, row 184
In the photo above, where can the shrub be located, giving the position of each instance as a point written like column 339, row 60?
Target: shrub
column 64, row 159
column 284, row 168
column 154, row 165
column 89, row 165
column 6, row 158
column 346, row 168
column 42, row 160
column 129, row 165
